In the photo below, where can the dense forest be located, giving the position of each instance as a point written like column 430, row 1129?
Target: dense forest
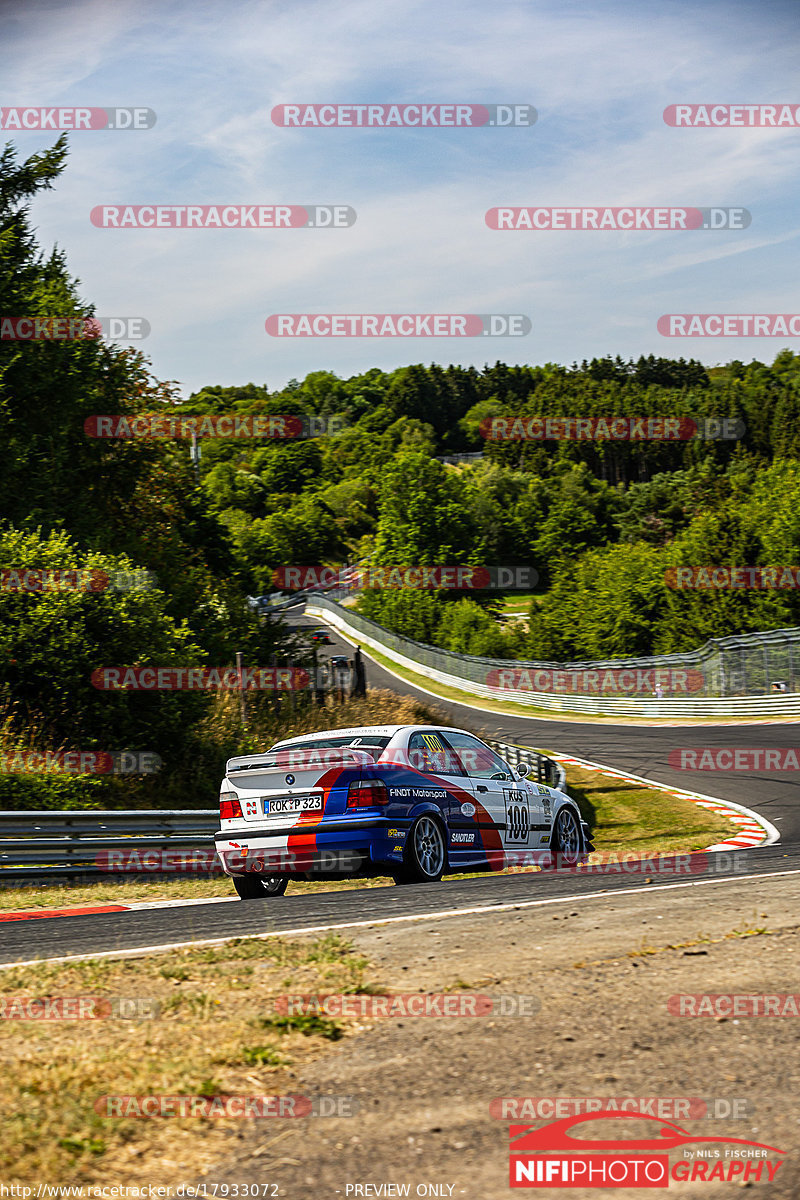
column 601, row 522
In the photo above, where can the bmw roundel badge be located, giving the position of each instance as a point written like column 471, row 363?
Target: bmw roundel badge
column 290, row 780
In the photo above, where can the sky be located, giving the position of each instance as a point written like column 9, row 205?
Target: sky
column 599, row 76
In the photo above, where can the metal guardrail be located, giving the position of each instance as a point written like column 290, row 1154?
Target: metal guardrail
column 546, row 770
column 48, row 845
column 45, row 844
column 719, row 686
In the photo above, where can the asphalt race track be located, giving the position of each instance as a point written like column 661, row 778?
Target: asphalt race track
column 639, row 749
column 642, row 750
column 154, row 928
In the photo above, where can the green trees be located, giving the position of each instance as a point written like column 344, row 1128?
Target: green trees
column 602, row 522
column 423, row 519
column 603, row 604
column 70, row 501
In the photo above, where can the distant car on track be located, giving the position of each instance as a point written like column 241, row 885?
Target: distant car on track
column 411, row 801
column 274, row 602
column 320, row 636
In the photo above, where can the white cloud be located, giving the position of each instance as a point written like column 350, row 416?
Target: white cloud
column 599, row 76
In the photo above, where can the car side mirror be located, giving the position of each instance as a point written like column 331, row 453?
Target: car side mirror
column 522, row 770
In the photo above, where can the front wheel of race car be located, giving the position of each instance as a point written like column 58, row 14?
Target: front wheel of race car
column 255, row 887
column 566, row 840
column 425, row 856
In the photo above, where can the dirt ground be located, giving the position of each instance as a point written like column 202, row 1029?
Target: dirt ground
column 600, row 970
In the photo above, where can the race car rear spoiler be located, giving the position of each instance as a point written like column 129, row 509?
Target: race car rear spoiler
column 305, row 759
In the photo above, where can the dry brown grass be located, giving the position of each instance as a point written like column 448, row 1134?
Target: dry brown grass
column 267, row 724
column 213, row 1035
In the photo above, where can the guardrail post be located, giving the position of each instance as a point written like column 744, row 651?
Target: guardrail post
column 242, row 701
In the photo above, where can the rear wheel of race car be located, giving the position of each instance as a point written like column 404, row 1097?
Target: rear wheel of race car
column 566, row 840
column 426, row 855
column 255, row 887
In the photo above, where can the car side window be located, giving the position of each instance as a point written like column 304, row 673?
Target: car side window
column 477, row 759
column 428, row 752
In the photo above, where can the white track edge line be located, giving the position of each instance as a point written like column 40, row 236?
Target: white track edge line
column 431, row 916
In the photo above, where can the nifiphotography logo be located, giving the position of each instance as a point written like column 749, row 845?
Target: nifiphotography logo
column 553, row 1156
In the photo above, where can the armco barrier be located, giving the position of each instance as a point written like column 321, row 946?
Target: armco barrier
column 54, row 843
column 47, row 845
column 467, row 673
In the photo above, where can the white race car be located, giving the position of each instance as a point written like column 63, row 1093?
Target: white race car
column 411, row 801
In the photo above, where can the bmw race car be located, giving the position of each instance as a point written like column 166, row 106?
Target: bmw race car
column 411, row 801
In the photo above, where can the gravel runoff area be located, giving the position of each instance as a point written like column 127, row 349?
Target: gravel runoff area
column 601, row 970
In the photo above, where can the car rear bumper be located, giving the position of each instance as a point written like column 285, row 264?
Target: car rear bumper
column 328, row 849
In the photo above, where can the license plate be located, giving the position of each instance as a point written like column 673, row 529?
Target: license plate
column 280, row 805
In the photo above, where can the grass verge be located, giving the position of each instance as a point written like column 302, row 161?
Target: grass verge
column 629, row 818
column 215, row 1032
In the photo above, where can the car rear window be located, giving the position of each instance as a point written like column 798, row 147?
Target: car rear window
column 369, row 745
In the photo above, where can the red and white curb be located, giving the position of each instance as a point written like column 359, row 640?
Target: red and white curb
column 32, row 914
column 754, row 830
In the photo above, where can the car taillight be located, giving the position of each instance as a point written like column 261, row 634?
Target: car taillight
column 229, row 806
column 367, row 793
